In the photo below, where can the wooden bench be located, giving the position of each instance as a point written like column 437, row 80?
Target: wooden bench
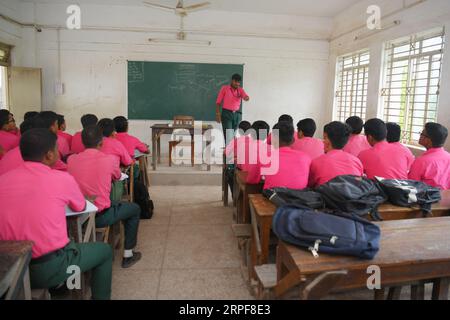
column 412, row 252
column 242, row 190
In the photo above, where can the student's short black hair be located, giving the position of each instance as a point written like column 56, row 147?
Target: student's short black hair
column 121, row 124
column 245, row 126
column 26, row 125
column 338, row 133
column 286, row 132
column 30, row 115
column 45, row 120
column 437, row 133
column 35, row 143
column 286, row 118
column 376, row 128
column 89, row 120
column 307, row 126
column 4, row 117
column 91, row 136
column 261, row 129
column 61, row 120
column 236, row 77
column 356, row 123
column 394, row 132
column 107, row 127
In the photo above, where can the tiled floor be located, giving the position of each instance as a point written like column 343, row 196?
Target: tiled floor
column 188, row 248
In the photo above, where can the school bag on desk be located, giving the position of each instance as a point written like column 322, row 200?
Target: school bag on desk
column 409, row 193
column 290, row 197
column 338, row 233
column 353, row 194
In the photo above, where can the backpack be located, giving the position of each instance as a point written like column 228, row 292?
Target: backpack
column 353, row 194
column 407, row 193
column 290, row 197
column 142, row 198
column 340, row 234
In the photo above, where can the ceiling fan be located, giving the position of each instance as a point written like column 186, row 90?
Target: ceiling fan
column 180, row 9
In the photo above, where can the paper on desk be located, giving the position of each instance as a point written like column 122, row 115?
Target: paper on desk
column 90, row 207
column 138, row 154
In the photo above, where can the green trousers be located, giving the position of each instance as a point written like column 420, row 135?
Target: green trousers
column 95, row 257
column 230, row 120
column 128, row 213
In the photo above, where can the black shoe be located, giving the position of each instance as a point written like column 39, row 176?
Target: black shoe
column 128, row 262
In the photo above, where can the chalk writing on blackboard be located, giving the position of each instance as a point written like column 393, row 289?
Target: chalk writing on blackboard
column 136, row 72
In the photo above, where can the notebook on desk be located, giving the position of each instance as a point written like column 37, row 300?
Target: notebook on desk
column 90, row 207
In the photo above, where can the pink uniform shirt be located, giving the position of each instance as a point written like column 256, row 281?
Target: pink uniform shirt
column 33, row 199
column 63, row 147
column 66, row 136
column 333, row 164
column 231, row 98
column 77, row 145
column 385, row 161
column 293, row 170
column 8, row 140
column 408, row 154
column 239, row 149
column 356, row 144
column 131, row 143
column 94, row 171
column 433, row 168
column 311, row 146
column 114, row 147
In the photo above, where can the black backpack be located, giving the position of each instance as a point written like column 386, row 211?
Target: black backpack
column 352, row 194
column 142, row 198
column 296, row 198
column 408, row 193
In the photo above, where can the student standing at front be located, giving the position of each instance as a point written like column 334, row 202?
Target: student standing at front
column 33, row 199
column 230, row 98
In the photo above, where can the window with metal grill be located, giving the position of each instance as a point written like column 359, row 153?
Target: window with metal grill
column 351, row 85
column 412, row 81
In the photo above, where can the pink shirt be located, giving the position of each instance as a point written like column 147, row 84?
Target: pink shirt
column 94, row 171
column 292, row 173
column 239, row 149
column 405, row 150
column 231, row 98
column 8, row 140
column 63, row 147
column 333, row 164
column 131, row 143
column 77, row 145
column 33, row 199
column 114, row 147
column 311, row 146
column 356, row 144
column 433, row 168
column 385, row 161
column 66, row 136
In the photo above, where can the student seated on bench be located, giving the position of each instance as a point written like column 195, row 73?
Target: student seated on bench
column 62, row 130
column 94, row 171
column 237, row 150
column 394, row 132
column 306, row 141
column 30, row 115
column 283, row 118
column 433, row 167
column 130, row 142
column 335, row 162
column 357, row 142
column 111, row 145
column 9, row 138
column 33, row 199
column 258, row 146
column 291, row 166
column 383, row 159
column 86, row 121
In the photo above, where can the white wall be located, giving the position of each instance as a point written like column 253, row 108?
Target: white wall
column 424, row 16
column 283, row 73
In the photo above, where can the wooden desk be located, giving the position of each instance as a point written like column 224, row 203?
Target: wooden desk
column 242, row 191
column 160, row 129
column 410, row 251
column 15, row 257
column 262, row 212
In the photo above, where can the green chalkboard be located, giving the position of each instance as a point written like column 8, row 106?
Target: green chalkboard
column 162, row 90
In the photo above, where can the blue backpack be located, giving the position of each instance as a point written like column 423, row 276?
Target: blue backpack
column 338, row 233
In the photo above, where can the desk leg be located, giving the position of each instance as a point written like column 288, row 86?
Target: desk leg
column 208, row 155
column 379, row 294
column 286, row 278
column 418, row 292
column 26, row 285
column 264, row 229
column 90, row 229
column 154, row 152
column 159, row 149
column 440, row 289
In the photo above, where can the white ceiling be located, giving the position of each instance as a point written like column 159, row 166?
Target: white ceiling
column 312, row 8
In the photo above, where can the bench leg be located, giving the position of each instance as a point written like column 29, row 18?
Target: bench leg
column 418, row 292
column 379, row 294
column 440, row 289
column 394, row 293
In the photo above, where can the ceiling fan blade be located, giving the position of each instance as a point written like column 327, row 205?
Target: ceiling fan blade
column 197, row 6
column 158, row 6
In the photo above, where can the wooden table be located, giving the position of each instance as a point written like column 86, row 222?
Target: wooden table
column 160, row 129
column 242, row 191
column 15, row 257
column 262, row 212
column 411, row 251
